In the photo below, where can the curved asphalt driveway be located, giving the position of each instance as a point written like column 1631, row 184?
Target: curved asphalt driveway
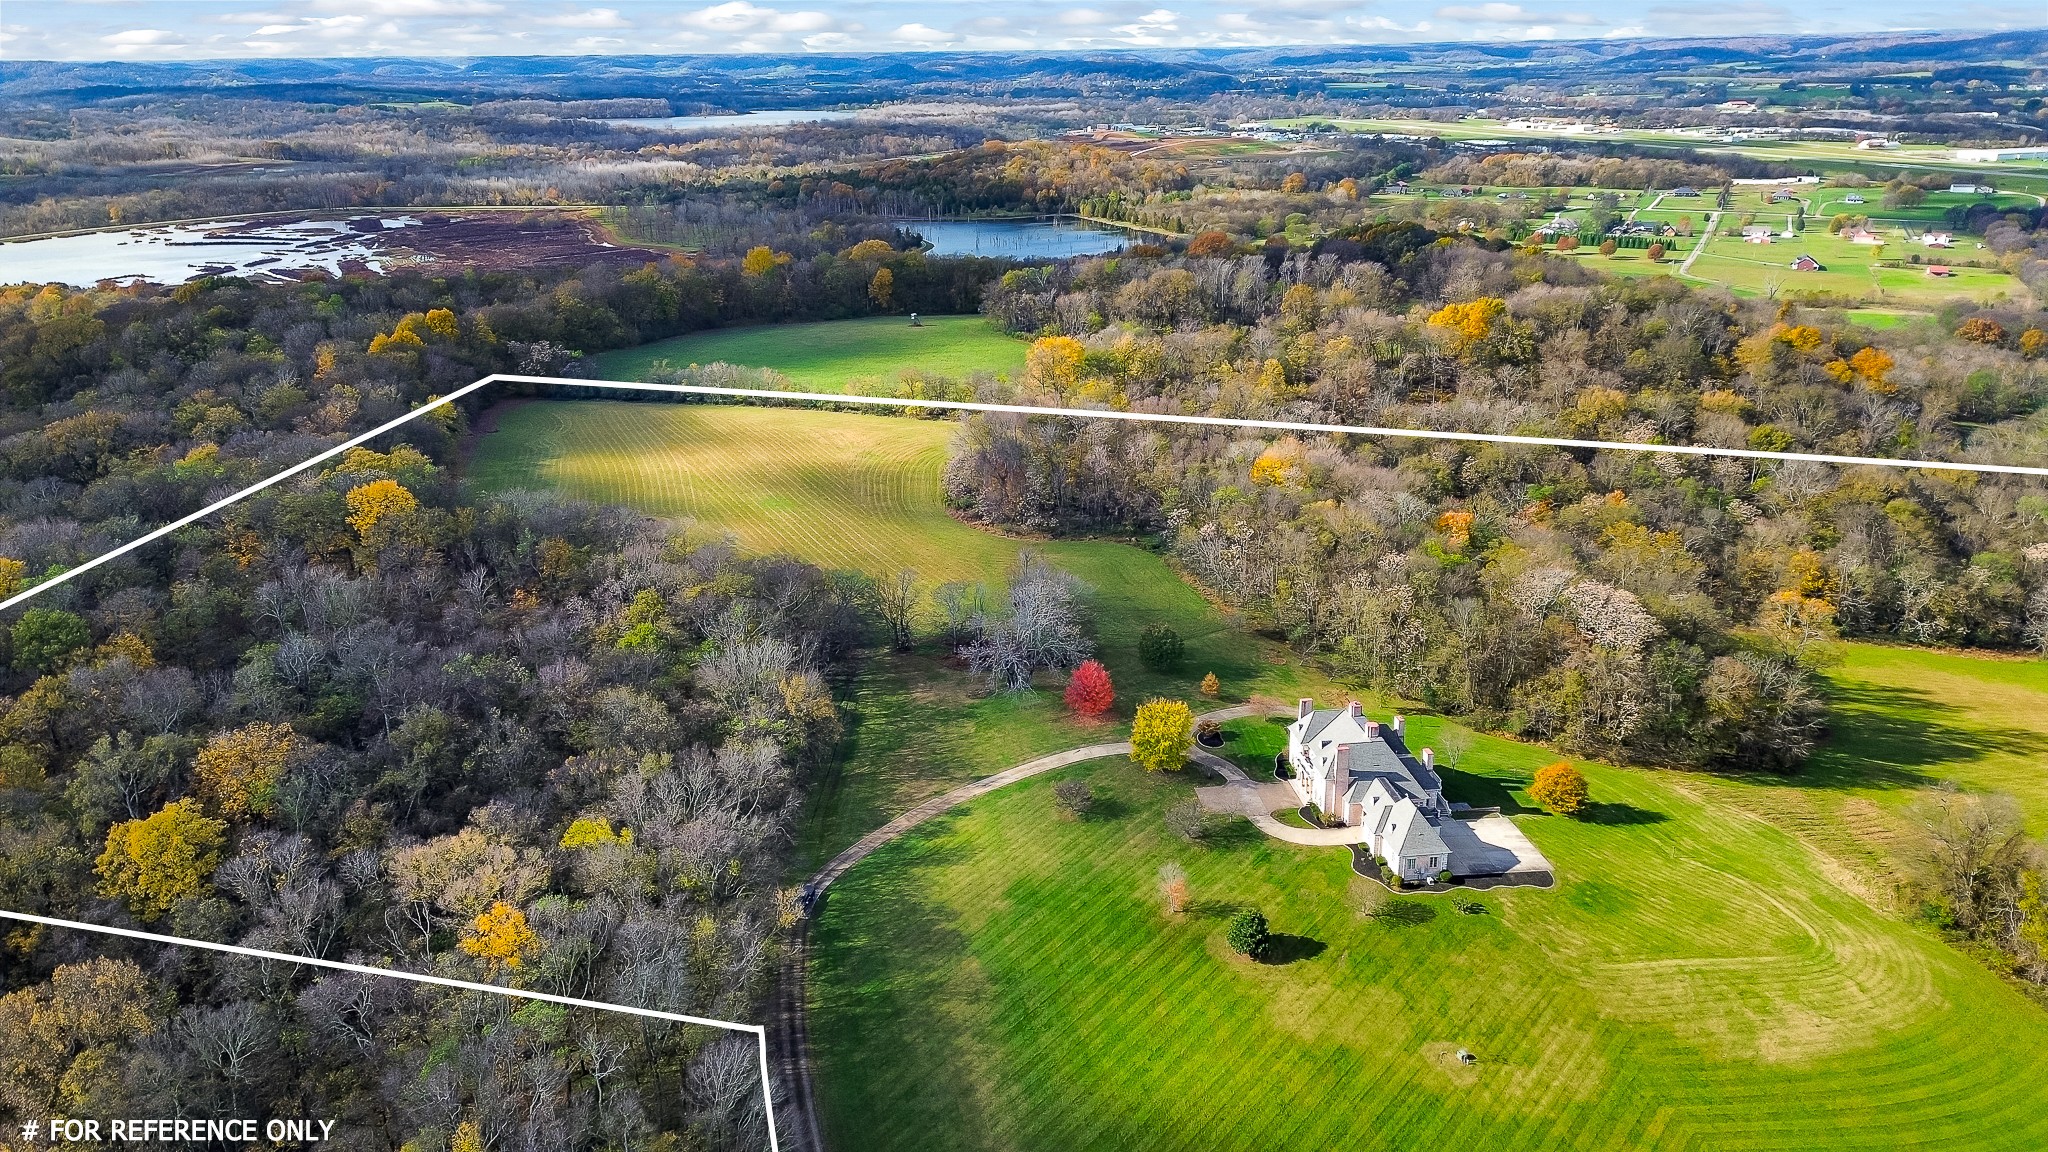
column 866, row 845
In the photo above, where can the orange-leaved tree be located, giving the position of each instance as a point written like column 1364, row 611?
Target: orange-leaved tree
column 1089, row 691
column 500, row 936
column 1561, row 788
column 370, row 504
column 1471, row 320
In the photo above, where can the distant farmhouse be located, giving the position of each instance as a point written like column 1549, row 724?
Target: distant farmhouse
column 1359, row 772
column 1807, row 263
column 1972, row 189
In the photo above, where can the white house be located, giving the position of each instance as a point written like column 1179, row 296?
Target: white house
column 1359, row 772
column 1937, row 239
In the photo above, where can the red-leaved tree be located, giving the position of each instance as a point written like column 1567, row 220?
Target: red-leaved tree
column 1089, row 691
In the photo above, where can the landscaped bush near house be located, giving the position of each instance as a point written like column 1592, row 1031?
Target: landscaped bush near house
column 1248, row 934
column 1073, row 797
column 1560, row 788
column 1161, row 648
column 1444, row 877
column 1173, row 887
column 1089, row 691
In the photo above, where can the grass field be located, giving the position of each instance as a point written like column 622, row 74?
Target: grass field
column 846, row 490
column 1849, row 269
column 1007, row 979
column 1907, row 718
column 843, row 490
column 830, row 355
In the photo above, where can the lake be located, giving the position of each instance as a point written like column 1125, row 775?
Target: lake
column 291, row 248
column 175, row 253
column 1044, row 239
column 774, row 118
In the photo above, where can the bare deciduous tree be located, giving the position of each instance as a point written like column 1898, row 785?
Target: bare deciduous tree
column 1973, row 855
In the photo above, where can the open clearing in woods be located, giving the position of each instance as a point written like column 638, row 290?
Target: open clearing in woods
column 829, row 355
column 856, row 491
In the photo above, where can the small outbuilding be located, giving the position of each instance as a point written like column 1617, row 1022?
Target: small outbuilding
column 1807, row 263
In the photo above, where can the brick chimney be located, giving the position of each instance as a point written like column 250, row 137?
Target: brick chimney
column 1429, row 759
column 1357, row 710
column 1372, row 729
column 1307, row 706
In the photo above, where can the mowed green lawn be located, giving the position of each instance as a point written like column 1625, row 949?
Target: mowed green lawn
column 1006, row 979
column 831, row 355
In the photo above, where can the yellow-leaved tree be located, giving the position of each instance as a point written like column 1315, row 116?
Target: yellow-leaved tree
column 500, row 936
column 64, row 1034
column 1162, row 735
column 592, row 831
column 238, row 771
column 1054, row 363
column 762, row 260
column 154, row 862
column 882, row 289
column 371, row 504
column 1470, row 321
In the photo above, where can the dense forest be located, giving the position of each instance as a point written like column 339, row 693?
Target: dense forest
column 366, row 716
column 1662, row 608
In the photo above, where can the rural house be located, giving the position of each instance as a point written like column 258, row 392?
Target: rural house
column 1807, row 263
column 1359, row 772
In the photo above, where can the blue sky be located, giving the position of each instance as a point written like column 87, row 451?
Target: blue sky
column 209, row 29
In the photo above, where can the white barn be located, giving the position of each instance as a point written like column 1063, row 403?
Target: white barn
column 1359, row 772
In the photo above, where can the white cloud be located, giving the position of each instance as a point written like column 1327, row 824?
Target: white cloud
column 416, row 7
column 593, row 18
column 141, row 38
column 922, row 34
column 1536, row 24
column 1082, row 17
column 739, row 16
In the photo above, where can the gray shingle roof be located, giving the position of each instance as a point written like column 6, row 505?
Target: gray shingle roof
column 1388, row 759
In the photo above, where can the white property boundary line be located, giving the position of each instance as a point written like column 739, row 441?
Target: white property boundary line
column 395, row 423
column 759, row 1032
